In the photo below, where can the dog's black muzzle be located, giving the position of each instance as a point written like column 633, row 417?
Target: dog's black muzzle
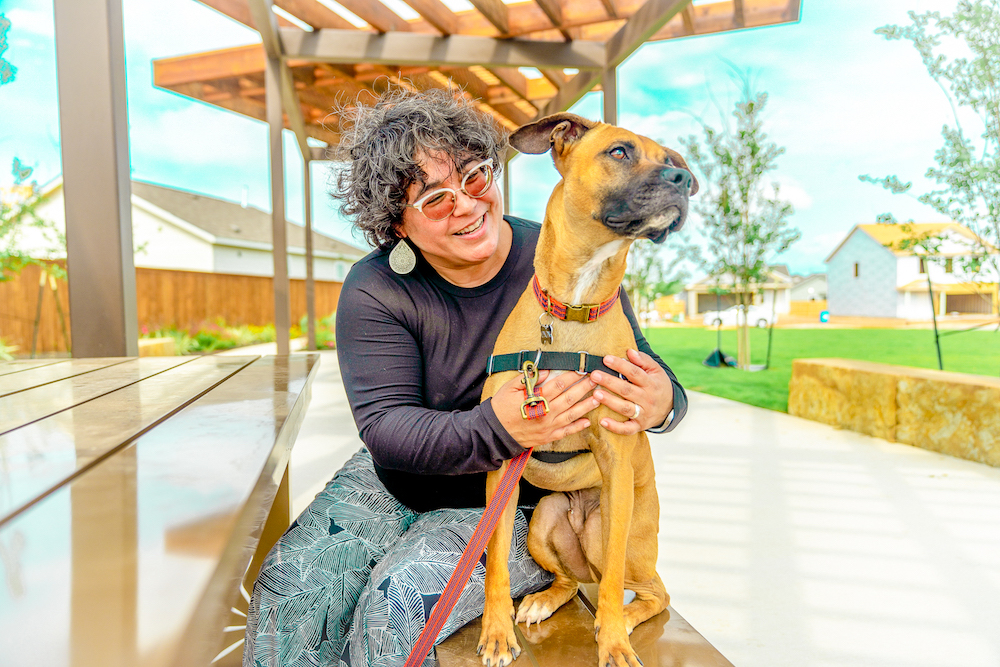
column 663, row 193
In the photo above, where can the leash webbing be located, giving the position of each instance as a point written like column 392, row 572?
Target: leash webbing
column 473, row 550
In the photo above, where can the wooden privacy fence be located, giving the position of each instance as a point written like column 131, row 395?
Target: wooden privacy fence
column 183, row 299
column 807, row 308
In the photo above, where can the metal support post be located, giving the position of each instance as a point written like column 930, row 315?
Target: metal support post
column 609, row 83
column 275, row 122
column 93, row 122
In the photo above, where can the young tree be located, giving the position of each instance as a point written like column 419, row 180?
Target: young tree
column 646, row 278
column 966, row 167
column 743, row 217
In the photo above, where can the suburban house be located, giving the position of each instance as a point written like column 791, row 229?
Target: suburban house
column 868, row 275
column 777, row 291
column 173, row 229
column 809, row 288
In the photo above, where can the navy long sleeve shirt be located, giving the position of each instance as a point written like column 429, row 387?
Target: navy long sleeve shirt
column 413, row 350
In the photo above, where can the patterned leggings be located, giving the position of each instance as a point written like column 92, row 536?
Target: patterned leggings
column 352, row 581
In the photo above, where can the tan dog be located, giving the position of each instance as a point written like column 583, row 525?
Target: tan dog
column 617, row 186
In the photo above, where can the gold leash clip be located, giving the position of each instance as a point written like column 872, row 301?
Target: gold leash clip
column 529, row 409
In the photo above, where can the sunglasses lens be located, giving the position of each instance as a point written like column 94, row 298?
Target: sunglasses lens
column 477, row 182
column 440, row 206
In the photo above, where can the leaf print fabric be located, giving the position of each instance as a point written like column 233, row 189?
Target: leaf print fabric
column 352, row 581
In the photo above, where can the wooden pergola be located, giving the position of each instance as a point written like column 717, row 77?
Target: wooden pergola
column 311, row 58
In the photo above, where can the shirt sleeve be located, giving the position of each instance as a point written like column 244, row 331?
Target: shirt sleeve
column 382, row 369
column 680, row 397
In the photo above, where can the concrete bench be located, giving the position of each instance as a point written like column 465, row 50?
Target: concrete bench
column 136, row 494
column 567, row 639
column 951, row 413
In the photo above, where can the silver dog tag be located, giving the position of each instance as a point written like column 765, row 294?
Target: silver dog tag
column 546, row 334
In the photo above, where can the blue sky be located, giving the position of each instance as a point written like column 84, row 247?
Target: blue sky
column 843, row 102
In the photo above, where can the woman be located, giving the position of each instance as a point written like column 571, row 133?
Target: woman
column 353, row 579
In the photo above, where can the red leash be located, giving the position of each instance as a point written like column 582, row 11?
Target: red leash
column 473, row 551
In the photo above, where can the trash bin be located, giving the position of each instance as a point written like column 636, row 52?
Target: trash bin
column 824, row 316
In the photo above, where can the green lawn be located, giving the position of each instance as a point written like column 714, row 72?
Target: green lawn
column 683, row 349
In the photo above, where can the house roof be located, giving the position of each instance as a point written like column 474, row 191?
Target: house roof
column 227, row 220
column 892, row 234
column 776, row 280
column 798, row 280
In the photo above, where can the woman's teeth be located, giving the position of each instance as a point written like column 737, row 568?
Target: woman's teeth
column 472, row 228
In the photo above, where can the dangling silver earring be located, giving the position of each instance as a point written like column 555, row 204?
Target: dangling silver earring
column 402, row 260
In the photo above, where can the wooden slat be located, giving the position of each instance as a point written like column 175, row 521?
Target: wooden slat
column 43, row 374
column 8, row 367
column 611, row 7
column 567, row 638
column 24, row 407
column 376, row 15
column 344, row 46
column 42, row 456
column 437, row 14
column 495, row 12
column 98, row 586
column 238, row 10
column 641, row 26
column 315, row 14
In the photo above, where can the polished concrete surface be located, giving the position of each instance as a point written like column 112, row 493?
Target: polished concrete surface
column 788, row 543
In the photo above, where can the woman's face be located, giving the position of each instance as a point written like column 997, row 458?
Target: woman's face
column 467, row 239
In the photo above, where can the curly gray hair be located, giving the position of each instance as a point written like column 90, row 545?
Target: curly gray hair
column 380, row 144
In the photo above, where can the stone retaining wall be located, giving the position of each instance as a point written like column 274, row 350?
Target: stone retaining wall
column 952, row 413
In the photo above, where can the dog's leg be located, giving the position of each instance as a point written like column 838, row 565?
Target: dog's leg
column 640, row 576
column 614, row 458
column 554, row 545
column 497, row 643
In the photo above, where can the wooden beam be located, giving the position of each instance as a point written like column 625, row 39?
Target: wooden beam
column 346, row 46
column 611, row 8
column 644, row 23
column 554, row 76
column 687, row 17
column 315, row 14
column 437, row 14
column 376, row 15
column 238, row 10
column 739, row 19
column 570, row 93
column 267, row 26
column 495, row 12
column 553, row 10
column 209, row 66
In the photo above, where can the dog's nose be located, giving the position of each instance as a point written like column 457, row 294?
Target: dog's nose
column 679, row 177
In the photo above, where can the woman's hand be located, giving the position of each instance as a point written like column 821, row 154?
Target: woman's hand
column 568, row 400
column 645, row 397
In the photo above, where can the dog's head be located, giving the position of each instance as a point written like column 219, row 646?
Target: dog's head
column 629, row 183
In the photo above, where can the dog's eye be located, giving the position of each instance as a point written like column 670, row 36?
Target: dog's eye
column 618, row 153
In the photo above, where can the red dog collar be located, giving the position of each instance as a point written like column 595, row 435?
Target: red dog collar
column 585, row 313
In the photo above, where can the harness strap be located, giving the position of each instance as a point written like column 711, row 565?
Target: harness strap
column 578, row 362
column 473, row 551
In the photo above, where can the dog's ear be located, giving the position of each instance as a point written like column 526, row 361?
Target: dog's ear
column 553, row 131
column 678, row 161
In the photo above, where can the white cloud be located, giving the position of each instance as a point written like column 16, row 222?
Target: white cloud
column 29, row 23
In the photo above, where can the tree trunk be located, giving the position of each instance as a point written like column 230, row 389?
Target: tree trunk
column 743, row 334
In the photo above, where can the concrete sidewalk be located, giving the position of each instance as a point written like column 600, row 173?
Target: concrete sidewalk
column 788, row 543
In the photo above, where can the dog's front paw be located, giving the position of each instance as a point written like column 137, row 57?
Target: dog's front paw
column 614, row 650
column 497, row 644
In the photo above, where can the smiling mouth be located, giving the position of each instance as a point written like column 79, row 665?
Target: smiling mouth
column 474, row 227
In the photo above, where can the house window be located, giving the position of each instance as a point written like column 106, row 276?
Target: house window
column 923, row 265
column 948, row 267
column 856, row 269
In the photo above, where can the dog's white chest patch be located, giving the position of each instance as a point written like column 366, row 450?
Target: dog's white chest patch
column 590, row 271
